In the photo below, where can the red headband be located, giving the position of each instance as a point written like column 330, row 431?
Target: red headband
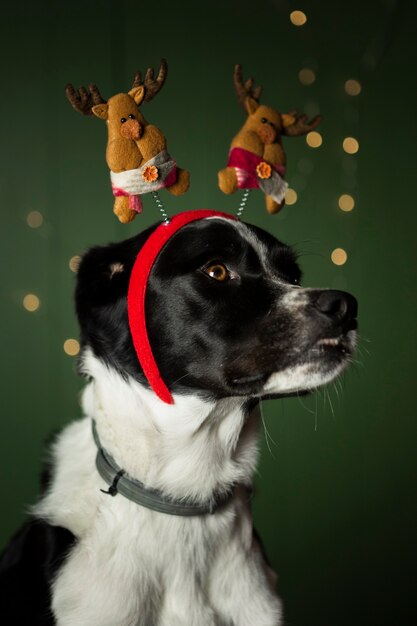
column 137, row 293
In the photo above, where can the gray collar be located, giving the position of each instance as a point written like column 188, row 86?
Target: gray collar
column 136, row 491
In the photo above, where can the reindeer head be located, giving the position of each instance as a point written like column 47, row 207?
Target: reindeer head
column 267, row 122
column 121, row 111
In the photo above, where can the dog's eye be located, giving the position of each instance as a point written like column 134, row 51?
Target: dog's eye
column 218, row 271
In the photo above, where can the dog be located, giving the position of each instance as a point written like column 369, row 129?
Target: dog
column 228, row 324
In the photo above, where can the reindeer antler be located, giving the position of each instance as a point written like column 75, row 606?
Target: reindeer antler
column 152, row 86
column 247, row 89
column 82, row 100
column 301, row 126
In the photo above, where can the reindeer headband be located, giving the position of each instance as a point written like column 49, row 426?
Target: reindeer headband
column 137, row 293
column 140, row 163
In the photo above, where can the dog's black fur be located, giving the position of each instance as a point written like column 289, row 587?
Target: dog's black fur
column 196, row 323
column 214, row 338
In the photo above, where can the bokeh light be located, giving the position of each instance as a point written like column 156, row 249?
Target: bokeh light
column 74, row 262
column 34, row 219
column 346, row 202
column 298, row 18
column 339, row 256
column 314, row 139
column 291, row 196
column 31, row 302
column 353, row 87
column 306, row 76
column 71, row 347
column 350, row 145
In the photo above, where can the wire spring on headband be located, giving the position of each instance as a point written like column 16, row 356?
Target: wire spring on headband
column 242, row 204
column 160, row 206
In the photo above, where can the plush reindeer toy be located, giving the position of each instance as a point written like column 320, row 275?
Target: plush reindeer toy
column 257, row 158
column 136, row 150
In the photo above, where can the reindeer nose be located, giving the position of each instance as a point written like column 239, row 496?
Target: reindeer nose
column 267, row 133
column 131, row 129
column 340, row 306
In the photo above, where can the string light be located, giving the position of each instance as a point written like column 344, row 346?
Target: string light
column 350, row 145
column 306, row 76
column 31, row 302
column 291, row 196
column 314, row 139
column 74, row 262
column 353, row 87
column 298, row 18
column 71, row 347
column 339, row 256
column 34, row 219
column 346, row 202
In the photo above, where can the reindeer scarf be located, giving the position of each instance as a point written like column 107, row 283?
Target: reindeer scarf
column 158, row 172
column 254, row 172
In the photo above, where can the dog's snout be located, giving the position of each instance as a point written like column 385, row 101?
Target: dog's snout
column 338, row 305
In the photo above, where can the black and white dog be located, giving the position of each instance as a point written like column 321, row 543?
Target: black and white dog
column 229, row 324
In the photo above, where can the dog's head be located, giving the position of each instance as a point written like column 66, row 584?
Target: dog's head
column 225, row 313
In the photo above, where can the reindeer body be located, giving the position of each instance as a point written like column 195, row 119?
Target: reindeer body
column 133, row 142
column 261, row 136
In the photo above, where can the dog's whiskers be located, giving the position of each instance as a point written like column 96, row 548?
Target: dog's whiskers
column 268, row 437
column 181, row 378
column 330, row 402
column 336, row 391
column 303, row 405
column 362, row 338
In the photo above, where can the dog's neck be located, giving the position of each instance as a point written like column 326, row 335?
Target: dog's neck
column 192, row 449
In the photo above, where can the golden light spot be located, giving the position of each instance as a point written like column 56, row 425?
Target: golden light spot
column 346, row 202
column 34, row 219
column 339, row 256
column 350, row 145
column 74, row 262
column 71, row 347
column 353, row 87
column 306, row 76
column 298, row 18
column 291, row 196
column 31, row 302
column 314, row 139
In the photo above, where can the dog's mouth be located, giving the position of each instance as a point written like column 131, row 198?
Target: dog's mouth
column 250, row 380
column 329, row 341
column 321, row 361
column 342, row 344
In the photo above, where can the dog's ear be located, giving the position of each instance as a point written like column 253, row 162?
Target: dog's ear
column 102, row 278
column 104, row 272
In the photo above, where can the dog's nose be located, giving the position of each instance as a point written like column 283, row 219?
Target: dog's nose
column 338, row 305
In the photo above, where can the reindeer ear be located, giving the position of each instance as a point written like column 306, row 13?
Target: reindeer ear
column 101, row 111
column 251, row 105
column 138, row 94
column 287, row 120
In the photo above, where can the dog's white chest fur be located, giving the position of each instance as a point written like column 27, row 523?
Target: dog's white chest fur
column 132, row 566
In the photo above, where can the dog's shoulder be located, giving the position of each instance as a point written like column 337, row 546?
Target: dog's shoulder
column 71, row 495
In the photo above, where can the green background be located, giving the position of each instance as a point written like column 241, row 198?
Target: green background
column 336, row 497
